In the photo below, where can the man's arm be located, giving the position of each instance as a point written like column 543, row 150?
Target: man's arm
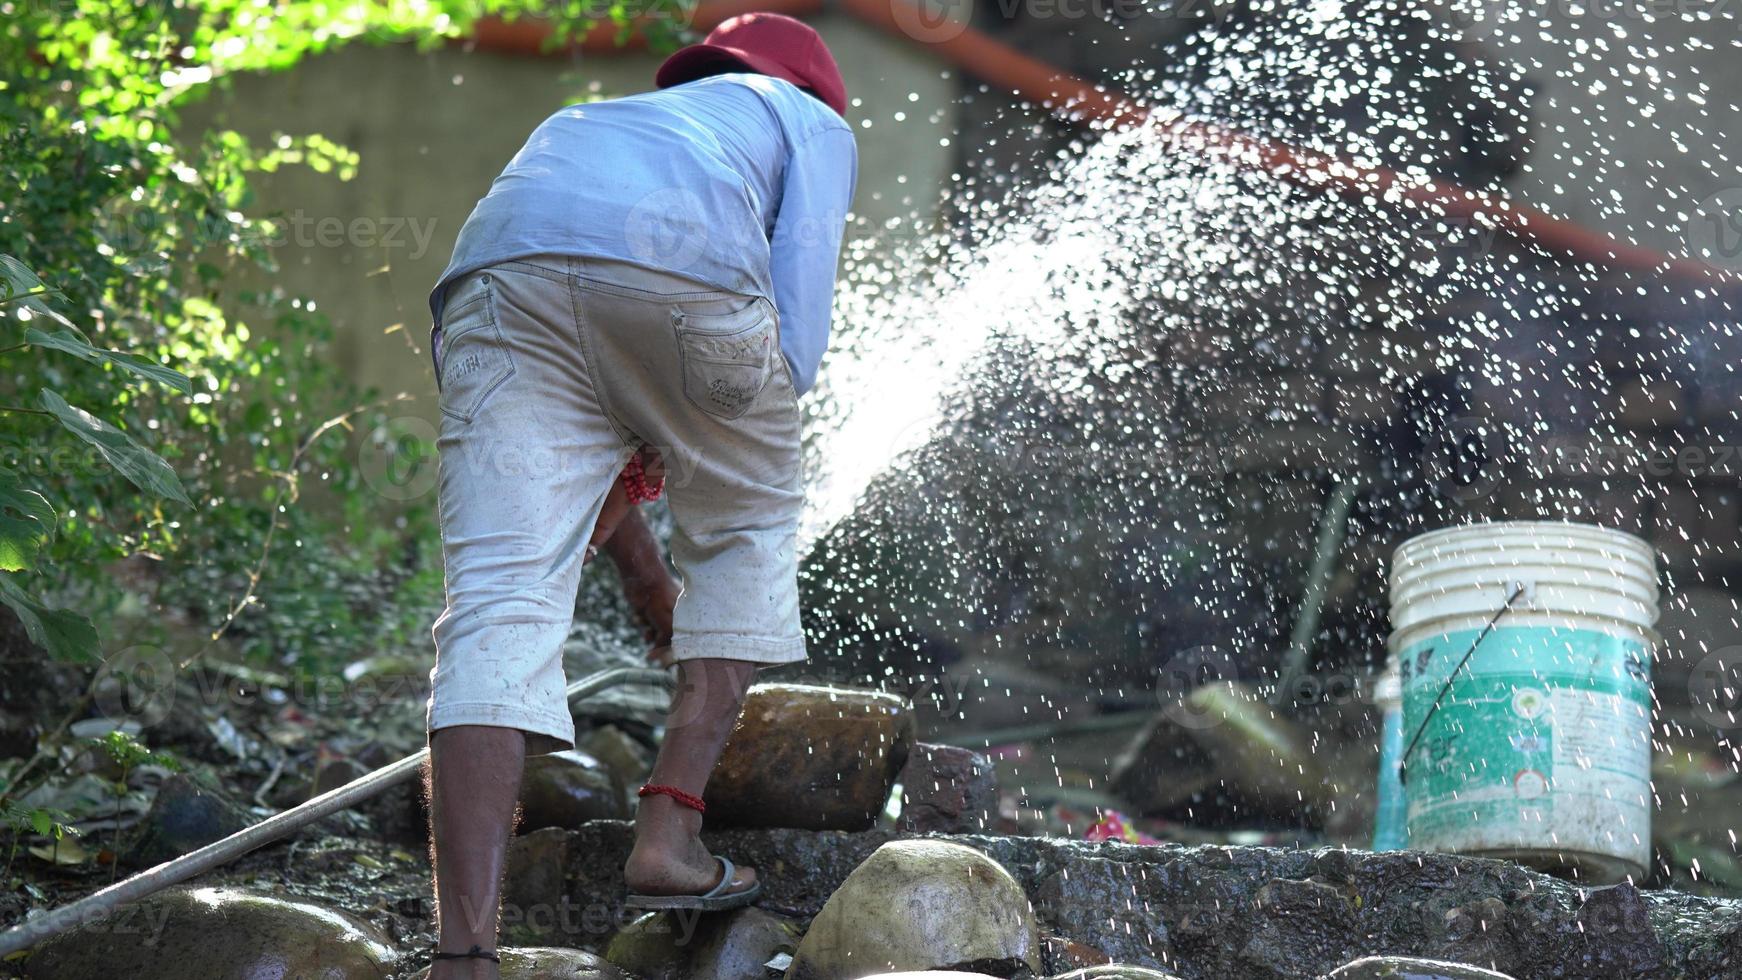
column 816, row 192
column 648, row 585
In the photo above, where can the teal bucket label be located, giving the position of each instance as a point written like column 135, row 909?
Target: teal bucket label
column 1542, row 742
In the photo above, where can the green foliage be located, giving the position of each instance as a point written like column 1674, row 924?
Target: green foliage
column 150, row 411
column 129, row 753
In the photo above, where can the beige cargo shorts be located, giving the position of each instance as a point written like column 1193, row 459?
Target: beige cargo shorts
column 552, row 371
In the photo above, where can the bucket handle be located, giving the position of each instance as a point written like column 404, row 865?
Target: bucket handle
column 1519, row 591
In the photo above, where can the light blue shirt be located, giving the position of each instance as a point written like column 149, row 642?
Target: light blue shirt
column 739, row 181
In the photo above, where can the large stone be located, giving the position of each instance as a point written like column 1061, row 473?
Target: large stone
column 216, row 934
column 921, row 905
column 533, row 963
column 1408, row 968
column 947, row 790
column 1256, row 913
column 1223, row 743
column 689, row 946
column 184, row 817
column 567, row 789
column 820, row 758
column 626, row 756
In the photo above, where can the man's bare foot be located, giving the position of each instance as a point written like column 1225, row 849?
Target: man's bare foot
column 669, row 858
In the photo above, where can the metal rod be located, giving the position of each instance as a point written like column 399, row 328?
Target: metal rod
column 33, row 931
column 1333, row 528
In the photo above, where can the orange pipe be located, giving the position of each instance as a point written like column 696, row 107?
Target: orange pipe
column 1079, row 100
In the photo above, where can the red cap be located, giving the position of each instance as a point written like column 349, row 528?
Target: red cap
column 767, row 44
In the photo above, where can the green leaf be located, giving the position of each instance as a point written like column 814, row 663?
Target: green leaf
column 26, row 523
column 63, row 633
column 41, row 821
column 21, row 286
column 144, row 468
column 73, row 342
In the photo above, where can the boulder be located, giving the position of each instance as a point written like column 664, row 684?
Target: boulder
column 921, row 905
column 1256, row 913
column 1408, row 968
column 216, row 934
column 819, row 758
column 534, row 963
column 567, row 789
column 947, row 790
column 184, row 816
column 679, row 946
column 623, row 754
column 1223, row 744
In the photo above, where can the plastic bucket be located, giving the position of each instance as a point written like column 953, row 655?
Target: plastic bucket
column 1540, row 748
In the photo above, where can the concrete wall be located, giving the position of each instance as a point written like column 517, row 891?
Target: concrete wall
column 1637, row 132
column 434, row 128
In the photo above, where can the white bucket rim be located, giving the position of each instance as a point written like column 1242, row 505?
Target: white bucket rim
column 1481, row 538
column 1445, row 580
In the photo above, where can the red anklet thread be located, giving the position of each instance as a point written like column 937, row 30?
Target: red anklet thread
column 693, row 802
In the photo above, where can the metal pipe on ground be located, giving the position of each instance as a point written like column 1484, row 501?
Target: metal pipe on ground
column 1333, row 530
column 151, row 880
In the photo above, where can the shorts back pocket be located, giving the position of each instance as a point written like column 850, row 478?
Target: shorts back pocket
column 728, row 359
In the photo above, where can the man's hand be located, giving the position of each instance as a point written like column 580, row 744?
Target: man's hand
column 648, row 584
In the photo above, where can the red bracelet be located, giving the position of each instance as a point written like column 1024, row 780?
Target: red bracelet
column 635, row 480
column 693, row 802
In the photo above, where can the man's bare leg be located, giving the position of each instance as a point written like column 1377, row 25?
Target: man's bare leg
column 474, row 790
column 668, row 858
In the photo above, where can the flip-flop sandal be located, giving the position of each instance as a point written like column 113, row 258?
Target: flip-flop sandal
column 716, row 899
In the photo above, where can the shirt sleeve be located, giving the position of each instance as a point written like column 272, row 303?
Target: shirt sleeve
column 817, row 190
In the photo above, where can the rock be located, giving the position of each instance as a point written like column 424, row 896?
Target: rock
column 1407, row 968
column 921, row 905
column 332, row 772
column 533, row 963
column 623, row 754
column 729, row 946
column 1222, row 739
column 1196, row 910
column 18, row 731
column 566, row 789
column 820, row 758
column 947, row 790
column 533, row 881
column 184, row 816
column 216, row 934
column 1115, row 971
